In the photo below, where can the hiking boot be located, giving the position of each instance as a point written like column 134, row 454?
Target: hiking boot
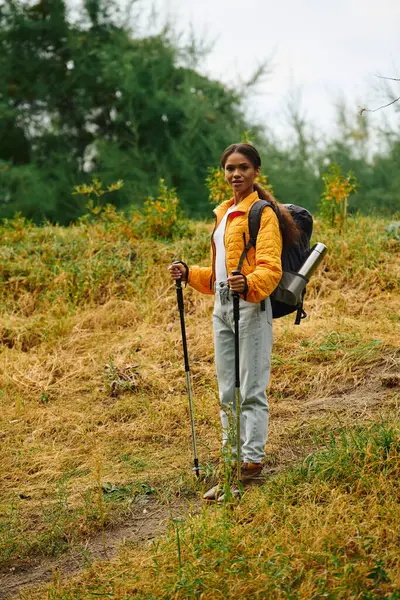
column 213, row 494
column 251, row 474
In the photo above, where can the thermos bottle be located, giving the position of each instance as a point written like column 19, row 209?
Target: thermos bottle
column 291, row 287
column 317, row 253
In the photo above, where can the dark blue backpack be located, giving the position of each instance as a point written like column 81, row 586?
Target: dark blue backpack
column 293, row 257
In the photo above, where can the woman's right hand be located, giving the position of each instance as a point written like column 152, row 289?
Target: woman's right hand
column 178, row 271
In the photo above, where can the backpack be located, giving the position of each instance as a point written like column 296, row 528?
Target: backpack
column 283, row 301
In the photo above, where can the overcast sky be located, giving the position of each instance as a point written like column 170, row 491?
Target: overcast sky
column 327, row 48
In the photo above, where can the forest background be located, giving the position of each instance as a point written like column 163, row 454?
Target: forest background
column 84, row 96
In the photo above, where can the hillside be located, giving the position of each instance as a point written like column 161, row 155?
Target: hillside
column 94, row 429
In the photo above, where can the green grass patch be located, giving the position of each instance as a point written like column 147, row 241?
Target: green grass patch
column 325, row 529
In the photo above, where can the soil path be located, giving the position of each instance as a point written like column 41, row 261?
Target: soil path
column 149, row 520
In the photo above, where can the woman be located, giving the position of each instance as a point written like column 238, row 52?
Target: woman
column 260, row 274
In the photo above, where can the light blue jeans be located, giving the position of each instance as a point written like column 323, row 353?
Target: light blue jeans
column 255, row 346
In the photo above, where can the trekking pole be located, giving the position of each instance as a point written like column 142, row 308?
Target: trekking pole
column 179, row 296
column 236, row 317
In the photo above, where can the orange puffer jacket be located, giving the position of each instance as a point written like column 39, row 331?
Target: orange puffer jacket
column 262, row 267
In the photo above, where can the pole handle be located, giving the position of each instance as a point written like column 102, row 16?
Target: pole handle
column 179, row 296
column 236, row 297
column 178, row 282
column 234, row 273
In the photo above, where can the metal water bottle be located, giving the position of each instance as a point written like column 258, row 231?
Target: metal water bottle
column 292, row 285
column 317, row 253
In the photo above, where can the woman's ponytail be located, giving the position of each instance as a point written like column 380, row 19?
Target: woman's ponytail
column 290, row 231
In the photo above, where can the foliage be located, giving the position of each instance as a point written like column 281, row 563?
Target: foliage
column 376, row 171
column 94, row 192
column 334, row 199
column 76, row 102
column 162, row 217
column 108, row 253
column 90, row 261
column 393, row 230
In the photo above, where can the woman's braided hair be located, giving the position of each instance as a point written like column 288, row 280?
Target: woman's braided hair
column 290, row 231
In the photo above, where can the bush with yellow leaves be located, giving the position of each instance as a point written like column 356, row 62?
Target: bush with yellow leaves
column 162, row 216
column 334, row 198
column 94, row 192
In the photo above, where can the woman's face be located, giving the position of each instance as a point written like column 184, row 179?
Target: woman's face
column 240, row 172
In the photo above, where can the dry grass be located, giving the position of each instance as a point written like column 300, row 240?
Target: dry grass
column 94, row 406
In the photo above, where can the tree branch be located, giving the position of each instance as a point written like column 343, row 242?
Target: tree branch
column 362, row 110
column 389, row 78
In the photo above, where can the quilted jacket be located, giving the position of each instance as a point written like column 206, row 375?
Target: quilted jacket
column 262, row 266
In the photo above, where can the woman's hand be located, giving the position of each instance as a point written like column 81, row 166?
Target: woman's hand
column 178, row 271
column 237, row 283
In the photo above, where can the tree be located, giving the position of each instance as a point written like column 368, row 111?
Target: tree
column 87, row 96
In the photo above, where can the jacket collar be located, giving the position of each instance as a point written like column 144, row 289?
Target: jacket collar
column 242, row 207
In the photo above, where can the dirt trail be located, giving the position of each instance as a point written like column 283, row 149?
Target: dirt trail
column 150, row 517
column 149, row 520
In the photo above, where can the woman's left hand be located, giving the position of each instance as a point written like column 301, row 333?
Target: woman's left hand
column 237, row 283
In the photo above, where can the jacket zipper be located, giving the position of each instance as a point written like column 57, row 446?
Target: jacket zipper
column 212, row 278
column 226, row 265
column 245, row 244
column 226, row 227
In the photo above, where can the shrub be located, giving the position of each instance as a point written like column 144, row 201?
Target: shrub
column 162, row 216
column 334, row 198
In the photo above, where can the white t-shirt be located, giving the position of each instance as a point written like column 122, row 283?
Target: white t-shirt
column 220, row 254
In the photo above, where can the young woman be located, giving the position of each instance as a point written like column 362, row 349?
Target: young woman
column 260, row 274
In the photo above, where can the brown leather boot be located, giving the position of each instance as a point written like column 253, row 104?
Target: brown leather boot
column 251, row 474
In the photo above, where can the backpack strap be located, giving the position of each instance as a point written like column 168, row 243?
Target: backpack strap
column 254, row 226
column 300, row 314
